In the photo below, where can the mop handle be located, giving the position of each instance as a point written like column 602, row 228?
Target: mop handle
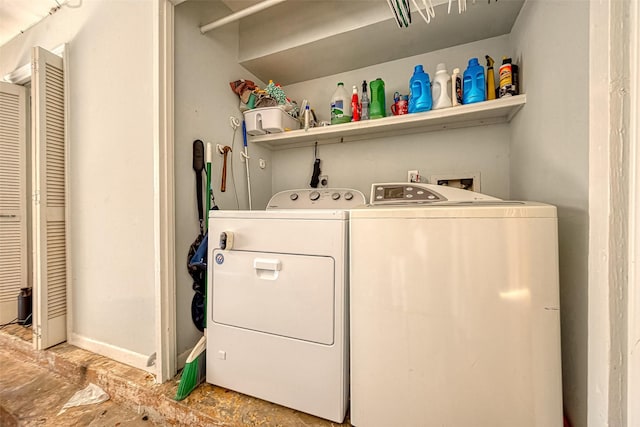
column 246, row 159
column 209, row 155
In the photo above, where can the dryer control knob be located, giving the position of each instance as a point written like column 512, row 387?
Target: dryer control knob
column 294, row 196
column 314, row 195
column 335, row 196
column 348, row 195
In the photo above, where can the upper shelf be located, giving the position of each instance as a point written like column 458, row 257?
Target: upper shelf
column 297, row 41
column 482, row 113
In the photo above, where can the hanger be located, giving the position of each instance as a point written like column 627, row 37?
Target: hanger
column 462, row 6
column 395, row 13
column 428, row 8
column 399, row 9
column 407, row 9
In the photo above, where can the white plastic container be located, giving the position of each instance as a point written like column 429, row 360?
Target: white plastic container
column 441, row 88
column 269, row 120
column 456, row 88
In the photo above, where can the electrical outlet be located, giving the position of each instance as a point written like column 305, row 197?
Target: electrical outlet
column 413, row 176
column 324, row 181
column 466, row 181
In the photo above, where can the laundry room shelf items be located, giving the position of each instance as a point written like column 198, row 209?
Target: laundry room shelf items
column 479, row 114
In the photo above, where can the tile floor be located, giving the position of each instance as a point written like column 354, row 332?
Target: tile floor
column 34, row 385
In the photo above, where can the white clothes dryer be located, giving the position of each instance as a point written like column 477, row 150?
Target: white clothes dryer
column 454, row 314
column 277, row 324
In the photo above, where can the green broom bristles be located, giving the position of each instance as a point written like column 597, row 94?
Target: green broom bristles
column 194, row 370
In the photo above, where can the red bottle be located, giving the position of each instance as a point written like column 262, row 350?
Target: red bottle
column 355, row 106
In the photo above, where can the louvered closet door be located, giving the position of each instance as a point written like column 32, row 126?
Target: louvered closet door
column 13, row 198
column 49, row 184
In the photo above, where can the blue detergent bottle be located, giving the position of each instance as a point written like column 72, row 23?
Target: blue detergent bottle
column 420, row 91
column 473, row 86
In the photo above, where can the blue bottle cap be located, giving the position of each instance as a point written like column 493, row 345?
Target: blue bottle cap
column 418, row 69
column 473, row 61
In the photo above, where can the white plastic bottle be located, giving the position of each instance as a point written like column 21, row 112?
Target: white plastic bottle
column 456, row 88
column 441, row 88
column 340, row 106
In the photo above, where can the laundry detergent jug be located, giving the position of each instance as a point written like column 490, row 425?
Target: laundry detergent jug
column 441, row 88
column 473, row 86
column 340, row 106
column 420, row 91
column 377, row 105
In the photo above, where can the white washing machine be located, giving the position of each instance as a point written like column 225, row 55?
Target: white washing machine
column 454, row 310
column 277, row 325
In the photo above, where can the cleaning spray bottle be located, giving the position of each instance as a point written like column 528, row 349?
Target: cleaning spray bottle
column 491, row 80
column 364, row 102
column 355, row 105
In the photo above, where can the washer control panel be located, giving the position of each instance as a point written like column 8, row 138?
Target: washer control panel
column 417, row 192
column 317, row 198
column 401, row 192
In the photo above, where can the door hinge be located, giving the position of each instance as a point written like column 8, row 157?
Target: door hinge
column 36, row 197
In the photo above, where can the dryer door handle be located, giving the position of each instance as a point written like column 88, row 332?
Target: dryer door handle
column 267, row 268
column 267, row 264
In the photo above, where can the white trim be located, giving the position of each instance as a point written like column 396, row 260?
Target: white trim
column 118, row 354
column 67, row 160
column 610, row 214
column 182, row 358
column 599, row 209
column 22, row 75
column 164, row 199
column 633, row 308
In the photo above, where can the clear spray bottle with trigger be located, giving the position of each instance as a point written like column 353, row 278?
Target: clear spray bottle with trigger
column 364, row 102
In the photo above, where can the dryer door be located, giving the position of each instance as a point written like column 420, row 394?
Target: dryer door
column 281, row 294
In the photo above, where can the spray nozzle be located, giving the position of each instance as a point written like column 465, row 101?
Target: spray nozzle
column 490, row 61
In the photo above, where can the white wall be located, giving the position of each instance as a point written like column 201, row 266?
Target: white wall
column 204, row 66
column 549, row 160
column 483, row 149
column 111, row 169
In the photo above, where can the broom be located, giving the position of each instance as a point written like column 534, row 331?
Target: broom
column 194, row 371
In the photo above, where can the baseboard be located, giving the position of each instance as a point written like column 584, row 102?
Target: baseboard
column 182, row 358
column 118, row 354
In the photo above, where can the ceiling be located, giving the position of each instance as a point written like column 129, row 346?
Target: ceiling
column 236, row 5
column 18, row 15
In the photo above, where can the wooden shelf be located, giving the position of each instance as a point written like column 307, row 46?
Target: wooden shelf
column 478, row 114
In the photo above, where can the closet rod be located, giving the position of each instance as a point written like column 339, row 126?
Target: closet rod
column 239, row 15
